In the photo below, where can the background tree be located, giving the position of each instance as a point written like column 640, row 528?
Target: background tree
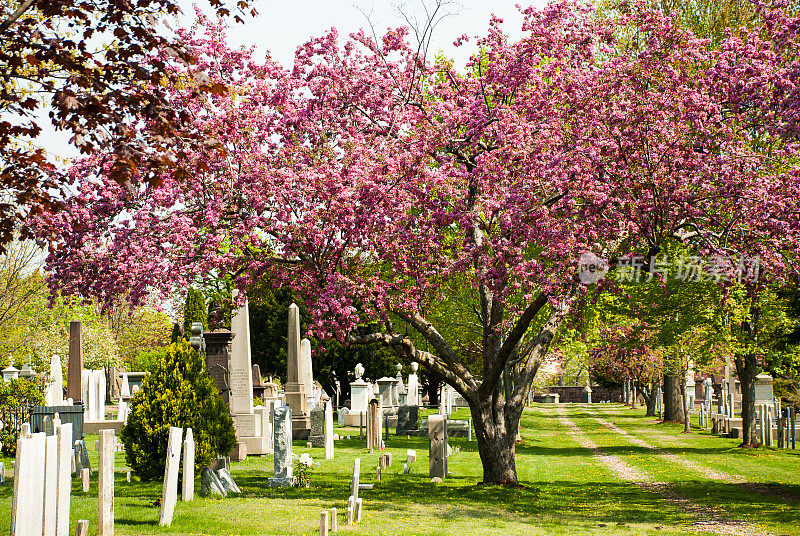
column 194, row 310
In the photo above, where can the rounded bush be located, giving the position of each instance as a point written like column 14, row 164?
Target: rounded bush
column 179, row 392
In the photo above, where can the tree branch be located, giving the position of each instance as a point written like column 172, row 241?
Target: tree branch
column 17, row 14
column 404, row 344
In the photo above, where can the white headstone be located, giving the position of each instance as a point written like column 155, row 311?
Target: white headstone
column 54, row 395
column 169, row 493
column 27, row 503
column 412, row 389
column 125, row 389
column 100, row 399
column 105, row 483
column 241, row 370
column 187, row 489
column 328, row 430
column 65, row 459
column 356, row 476
column 323, row 523
column 307, row 372
column 50, row 484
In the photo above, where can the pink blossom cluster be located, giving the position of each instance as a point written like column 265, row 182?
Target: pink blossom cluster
column 368, row 178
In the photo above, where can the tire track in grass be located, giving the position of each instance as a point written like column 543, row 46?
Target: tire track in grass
column 710, row 520
column 677, row 460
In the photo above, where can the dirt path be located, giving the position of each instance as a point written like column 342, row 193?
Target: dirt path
column 708, row 519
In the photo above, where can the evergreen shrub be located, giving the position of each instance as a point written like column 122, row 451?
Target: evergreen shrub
column 179, row 392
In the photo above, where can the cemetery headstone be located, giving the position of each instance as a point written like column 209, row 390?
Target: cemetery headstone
column 187, row 488
column 323, row 523
column 355, row 481
column 226, row 479
column 307, row 373
column 328, row 430
column 75, row 363
column 412, row 387
column 85, row 480
column 334, row 520
column 82, row 457
column 407, row 420
column 358, row 510
column 359, row 399
column 105, row 484
column 373, row 426
column 317, row 436
column 82, row 528
column 295, row 388
column 50, row 484
column 437, row 449
column 210, row 483
column 169, row 491
column 63, row 495
column 54, row 394
column 282, row 445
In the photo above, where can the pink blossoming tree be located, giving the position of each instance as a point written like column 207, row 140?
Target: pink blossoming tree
column 371, row 181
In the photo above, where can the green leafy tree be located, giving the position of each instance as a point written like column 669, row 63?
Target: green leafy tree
column 180, row 393
column 194, row 310
column 21, row 392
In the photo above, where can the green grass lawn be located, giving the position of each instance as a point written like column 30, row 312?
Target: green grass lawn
column 566, row 490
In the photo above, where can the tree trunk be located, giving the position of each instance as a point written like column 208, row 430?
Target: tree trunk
column 650, row 395
column 673, row 409
column 747, row 369
column 496, row 443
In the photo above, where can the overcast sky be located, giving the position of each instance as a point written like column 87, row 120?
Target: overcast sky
column 283, row 25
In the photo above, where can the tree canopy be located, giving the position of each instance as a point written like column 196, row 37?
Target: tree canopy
column 370, row 181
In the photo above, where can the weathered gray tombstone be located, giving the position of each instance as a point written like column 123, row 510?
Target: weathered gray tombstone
column 82, row 457
column 317, row 436
column 350, row 507
column 407, row 420
column 50, row 484
column 187, row 489
column 227, row 481
column 169, row 491
column 210, row 483
column 437, row 446
column 82, row 528
column 334, row 520
column 282, row 434
column 105, row 483
column 2, row 472
column 373, row 426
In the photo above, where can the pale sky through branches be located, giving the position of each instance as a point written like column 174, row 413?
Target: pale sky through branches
column 283, row 25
